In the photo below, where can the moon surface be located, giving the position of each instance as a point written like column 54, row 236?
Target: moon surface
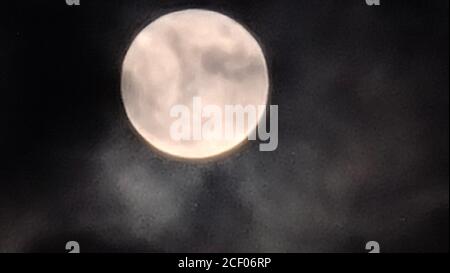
column 187, row 54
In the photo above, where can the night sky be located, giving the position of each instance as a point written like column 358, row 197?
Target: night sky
column 363, row 134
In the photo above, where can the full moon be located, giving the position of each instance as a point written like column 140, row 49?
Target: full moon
column 187, row 54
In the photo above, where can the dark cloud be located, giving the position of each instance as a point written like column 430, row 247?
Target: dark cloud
column 217, row 61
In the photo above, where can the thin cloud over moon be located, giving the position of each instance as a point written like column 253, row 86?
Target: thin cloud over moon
column 187, row 54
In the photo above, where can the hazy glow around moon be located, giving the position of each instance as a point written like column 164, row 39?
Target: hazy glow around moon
column 186, row 54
